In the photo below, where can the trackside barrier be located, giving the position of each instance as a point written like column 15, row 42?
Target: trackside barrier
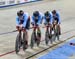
column 8, row 3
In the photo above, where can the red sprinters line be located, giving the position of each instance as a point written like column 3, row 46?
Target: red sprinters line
column 7, row 53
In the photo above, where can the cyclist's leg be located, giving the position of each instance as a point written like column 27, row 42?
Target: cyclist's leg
column 53, row 34
column 38, row 36
column 25, row 39
column 25, row 34
column 18, row 28
column 47, row 30
column 50, row 30
column 59, row 29
column 34, row 30
column 39, row 32
column 56, row 30
column 47, row 35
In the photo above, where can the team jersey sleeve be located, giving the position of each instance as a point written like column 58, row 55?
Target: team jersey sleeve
column 32, row 19
column 44, row 19
column 25, row 19
column 17, row 21
column 51, row 19
column 59, row 18
column 40, row 19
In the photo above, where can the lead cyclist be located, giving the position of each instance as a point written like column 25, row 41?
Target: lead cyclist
column 23, row 22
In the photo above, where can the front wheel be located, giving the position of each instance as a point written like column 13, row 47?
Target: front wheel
column 25, row 42
column 33, row 38
column 46, row 37
column 38, row 37
column 18, row 44
column 25, row 45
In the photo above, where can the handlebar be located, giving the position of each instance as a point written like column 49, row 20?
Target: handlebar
column 33, row 27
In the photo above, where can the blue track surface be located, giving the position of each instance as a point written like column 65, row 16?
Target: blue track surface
column 62, row 52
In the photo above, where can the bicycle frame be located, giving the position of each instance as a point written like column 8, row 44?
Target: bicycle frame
column 56, row 30
column 48, row 34
column 35, row 38
column 21, row 41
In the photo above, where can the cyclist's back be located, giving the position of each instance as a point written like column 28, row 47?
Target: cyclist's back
column 47, row 17
column 37, row 18
column 22, row 19
column 56, row 16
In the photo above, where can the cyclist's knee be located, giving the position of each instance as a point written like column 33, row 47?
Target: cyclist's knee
column 59, row 26
column 38, row 28
column 50, row 26
column 26, row 33
column 34, row 29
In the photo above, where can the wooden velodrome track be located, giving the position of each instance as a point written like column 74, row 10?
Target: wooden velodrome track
column 7, row 24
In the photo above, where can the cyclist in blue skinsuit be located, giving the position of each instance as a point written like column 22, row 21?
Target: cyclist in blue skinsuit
column 56, row 16
column 37, row 20
column 48, row 19
column 22, row 22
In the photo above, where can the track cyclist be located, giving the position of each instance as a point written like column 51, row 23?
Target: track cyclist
column 22, row 23
column 56, row 16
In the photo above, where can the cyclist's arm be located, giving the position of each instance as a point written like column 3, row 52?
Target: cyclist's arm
column 25, row 20
column 59, row 22
column 45, row 20
column 32, row 20
column 51, row 18
column 42, row 17
column 39, row 20
column 17, row 21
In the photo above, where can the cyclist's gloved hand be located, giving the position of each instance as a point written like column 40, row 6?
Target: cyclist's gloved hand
column 17, row 27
